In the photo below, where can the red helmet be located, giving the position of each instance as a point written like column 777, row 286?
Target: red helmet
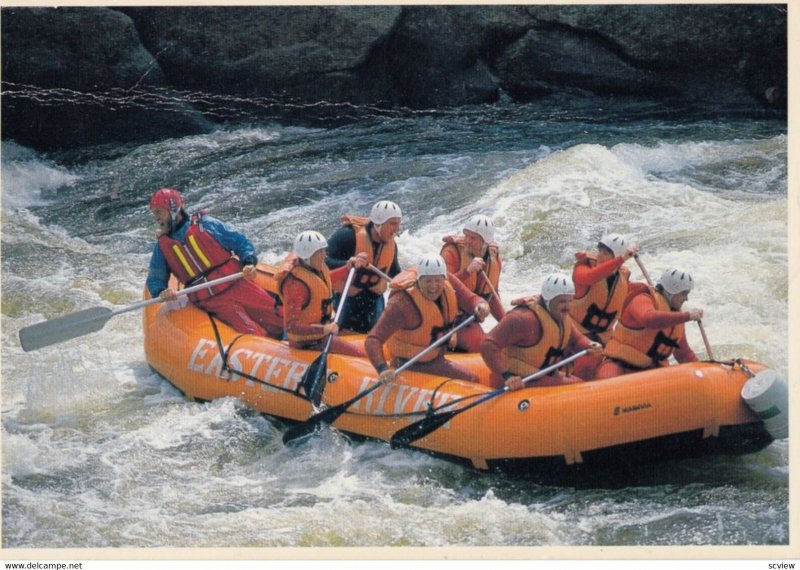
column 167, row 198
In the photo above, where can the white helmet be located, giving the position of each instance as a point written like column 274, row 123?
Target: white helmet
column 308, row 243
column 675, row 281
column 384, row 210
column 614, row 242
column 481, row 225
column 557, row 284
column 431, row 264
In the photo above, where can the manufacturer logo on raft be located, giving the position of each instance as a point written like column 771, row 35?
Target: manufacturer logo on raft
column 634, row 408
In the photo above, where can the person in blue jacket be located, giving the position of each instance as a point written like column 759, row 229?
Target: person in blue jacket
column 200, row 248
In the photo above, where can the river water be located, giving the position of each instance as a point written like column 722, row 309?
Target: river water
column 99, row 451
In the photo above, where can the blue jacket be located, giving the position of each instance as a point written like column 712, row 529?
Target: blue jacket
column 158, row 274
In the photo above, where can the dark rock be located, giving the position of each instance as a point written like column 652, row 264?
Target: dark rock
column 85, row 75
column 294, row 54
column 76, row 76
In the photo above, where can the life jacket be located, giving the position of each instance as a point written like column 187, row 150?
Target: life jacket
column 597, row 309
column 199, row 258
column 525, row 360
column 382, row 258
column 318, row 308
column 641, row 347
column 473, row 283
column 437, row 318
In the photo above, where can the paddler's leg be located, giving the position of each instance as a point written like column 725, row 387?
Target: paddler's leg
column 586, row 366
column 610, row 368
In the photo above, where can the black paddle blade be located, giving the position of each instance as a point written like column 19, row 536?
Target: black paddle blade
column 405, row 436
column 312, row 424
column 327, row 416
column 64, row 328
column 314, row 379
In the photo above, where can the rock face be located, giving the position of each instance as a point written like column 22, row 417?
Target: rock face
column 74, row 76
column 77, row 76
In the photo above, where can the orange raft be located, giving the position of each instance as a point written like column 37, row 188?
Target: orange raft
column 681, row 411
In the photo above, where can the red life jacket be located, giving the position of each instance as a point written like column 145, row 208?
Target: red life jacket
column 199, row 259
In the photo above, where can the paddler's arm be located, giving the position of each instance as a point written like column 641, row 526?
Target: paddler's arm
column 468, row 301
column 231, row 240
column 642, row 313
column 684, row 352
column 158, row 273
column 399, row 314
column 587, row 276
column 516, row 329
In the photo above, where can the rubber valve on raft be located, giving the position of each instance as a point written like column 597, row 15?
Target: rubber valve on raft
column 768, row 396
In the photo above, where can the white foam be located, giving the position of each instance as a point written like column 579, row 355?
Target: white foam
column 29, row 180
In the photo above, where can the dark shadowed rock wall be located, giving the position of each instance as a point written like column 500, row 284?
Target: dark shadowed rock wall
column 74, row 76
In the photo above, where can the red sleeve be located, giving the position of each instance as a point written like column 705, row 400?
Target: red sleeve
column 578, row 341
column 295, row 295
column 585, row 276
column 684, row 352
column 641, row 313
column 519, row 327
column 400, row 313
column 339, row 277
column 467, row 300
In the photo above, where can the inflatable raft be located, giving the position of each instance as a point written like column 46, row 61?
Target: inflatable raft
column 679, row 411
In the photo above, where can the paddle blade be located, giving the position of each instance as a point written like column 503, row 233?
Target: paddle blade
column 314, row 379
column 64, row 328
column 405, row 436
column 312, row 424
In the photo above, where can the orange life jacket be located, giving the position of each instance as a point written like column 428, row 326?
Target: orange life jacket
column 492, row 259
column 382, row 258
column 525, row 360
column 597, row 309
column 640, row 347
column 437, row 318
column 318, row 308
column 199, row 259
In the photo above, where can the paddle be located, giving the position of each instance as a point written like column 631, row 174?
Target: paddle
column 699, row 323
column 379, row 272
column 705, row 340
column 316, row 375
column 643, row 270
column 92, row 320
column 428, row 424
column 329, row 415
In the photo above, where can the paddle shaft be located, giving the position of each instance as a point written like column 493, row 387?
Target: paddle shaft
column 178, row 293
column 316, row 374
column 339, row 308
column 643, row 270
column 379, row 272
column 705, row 340
column 489, row 283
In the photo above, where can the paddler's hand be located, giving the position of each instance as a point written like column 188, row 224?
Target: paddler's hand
column 476, row 265
column 330, row 328
column 249, row 272
column 631, row 251
column 696, row 315
column 594, row 348
column 387, row 376
column 167, row 295
column 482, row 311
column 514, row 383
column 359, row 261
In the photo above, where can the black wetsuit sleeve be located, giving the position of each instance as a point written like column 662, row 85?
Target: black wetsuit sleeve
column 341, row 247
